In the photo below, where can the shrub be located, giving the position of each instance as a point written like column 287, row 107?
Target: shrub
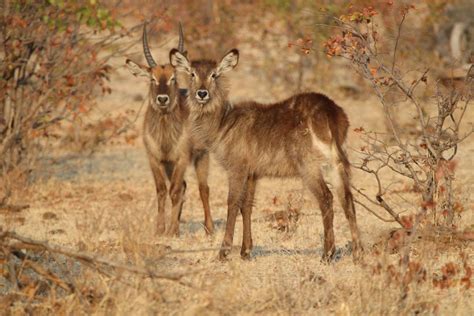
column 54, row 62
column 426, row 155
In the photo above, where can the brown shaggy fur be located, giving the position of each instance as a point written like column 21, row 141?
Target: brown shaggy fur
column 292, row 138
column 162, row 129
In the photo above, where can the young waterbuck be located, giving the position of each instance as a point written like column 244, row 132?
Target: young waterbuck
column 292, row 138
column 162, row 128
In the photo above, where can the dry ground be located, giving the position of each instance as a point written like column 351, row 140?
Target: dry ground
column 106, row 204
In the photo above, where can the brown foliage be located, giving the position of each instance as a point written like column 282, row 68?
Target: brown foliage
column 51, row 73
column 425, row 157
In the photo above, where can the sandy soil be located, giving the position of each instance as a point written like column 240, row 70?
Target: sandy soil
column 105, row 203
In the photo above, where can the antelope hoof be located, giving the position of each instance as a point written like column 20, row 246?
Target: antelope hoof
column 245, row 254
column 328, row 257
column 358, row 253
column 160, row 229
column 223, row 254
column 209, row 228
column 172, row 232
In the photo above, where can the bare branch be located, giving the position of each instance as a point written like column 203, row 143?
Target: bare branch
column 397, row 40
column 94, row 260
column 373, row 212
column 381, row 202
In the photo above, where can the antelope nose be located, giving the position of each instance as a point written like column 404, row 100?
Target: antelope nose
column 202, row 94
column 162, row 99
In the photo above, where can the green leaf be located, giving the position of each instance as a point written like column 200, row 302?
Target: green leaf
column 102, row 14
column 91, row 22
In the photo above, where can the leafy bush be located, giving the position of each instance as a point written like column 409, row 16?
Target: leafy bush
column 427, row 155
column 54, row 62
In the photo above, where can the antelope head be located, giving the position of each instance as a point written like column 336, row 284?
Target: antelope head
column 164, row 89
column 208, row 87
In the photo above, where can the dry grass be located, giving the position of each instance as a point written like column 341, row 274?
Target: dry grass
column 105, row 204
column 112, row 213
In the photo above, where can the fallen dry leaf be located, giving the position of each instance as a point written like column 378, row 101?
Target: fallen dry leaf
column 49, row 215
column 126, row 197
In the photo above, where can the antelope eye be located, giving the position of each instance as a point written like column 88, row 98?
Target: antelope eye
column 213, row 75
column 193, row 75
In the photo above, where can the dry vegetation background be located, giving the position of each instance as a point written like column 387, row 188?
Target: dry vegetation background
column 90, row 190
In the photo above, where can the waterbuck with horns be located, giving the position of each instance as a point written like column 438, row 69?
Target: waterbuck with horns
column 291, row 138
column 165, row 117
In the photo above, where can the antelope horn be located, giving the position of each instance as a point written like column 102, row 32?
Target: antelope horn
column 181, row 39
column 146, row 49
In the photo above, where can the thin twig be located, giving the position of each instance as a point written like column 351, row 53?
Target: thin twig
column 13, row 208
column 373, row 212
column 397, row 40
column 47, row 274
column 380, row 202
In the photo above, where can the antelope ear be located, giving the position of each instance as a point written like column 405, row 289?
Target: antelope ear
column 137, row 69
column 228, row 62
column 179, row 61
